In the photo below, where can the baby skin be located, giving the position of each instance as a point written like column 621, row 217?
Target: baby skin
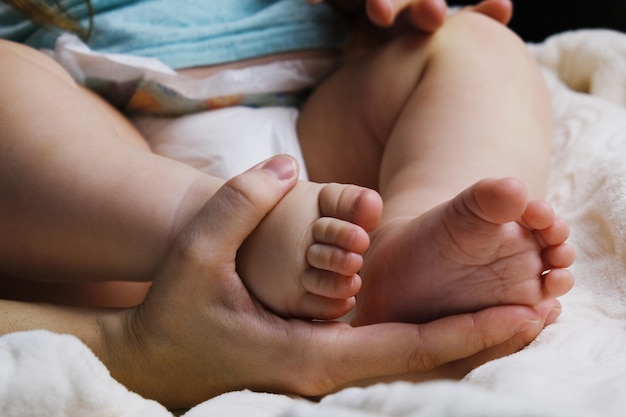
column 444, row 246
column 487, row 246
column 309, row 250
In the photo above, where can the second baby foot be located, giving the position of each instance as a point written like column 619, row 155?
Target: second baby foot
column 303, row 259
column 487, row 246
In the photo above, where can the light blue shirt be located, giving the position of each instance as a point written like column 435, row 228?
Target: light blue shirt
column 187, row 33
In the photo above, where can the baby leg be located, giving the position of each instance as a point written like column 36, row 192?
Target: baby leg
column 424, row 120
column 86, row 201
column 487, row 246
column 309, row 250
column 84, row 198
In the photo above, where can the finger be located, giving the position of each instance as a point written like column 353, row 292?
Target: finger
column 237, row 208
column 381, row 12
column 425, row 15
column 499, row 10
column 395, row 348
column 550, row 310
column 428, row 16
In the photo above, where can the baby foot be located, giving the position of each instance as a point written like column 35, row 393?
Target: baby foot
column 487, row 246
column 303, row 259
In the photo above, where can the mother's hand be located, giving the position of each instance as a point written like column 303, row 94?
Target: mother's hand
column 199, row 332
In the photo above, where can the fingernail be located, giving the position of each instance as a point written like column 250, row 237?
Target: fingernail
column 530, row 324
column 282, row 167
column 553, row 315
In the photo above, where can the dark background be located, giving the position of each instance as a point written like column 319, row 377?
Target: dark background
column 534, row 20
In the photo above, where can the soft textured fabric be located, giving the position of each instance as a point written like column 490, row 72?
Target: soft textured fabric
column 188, row 33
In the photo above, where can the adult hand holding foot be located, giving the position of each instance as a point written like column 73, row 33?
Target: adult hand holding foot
column 200, row 333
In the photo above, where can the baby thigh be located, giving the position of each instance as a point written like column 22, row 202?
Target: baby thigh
column 468, row 98
column 344, row 125
column 84, row 199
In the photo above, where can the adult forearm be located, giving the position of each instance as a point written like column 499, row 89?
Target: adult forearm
column 104, row 331
column 82, row 323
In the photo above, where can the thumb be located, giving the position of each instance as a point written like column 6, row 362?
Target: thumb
column 237, row 208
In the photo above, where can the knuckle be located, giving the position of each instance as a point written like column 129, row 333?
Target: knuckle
column 422, row 359
column 241, row 192
column 188, row 250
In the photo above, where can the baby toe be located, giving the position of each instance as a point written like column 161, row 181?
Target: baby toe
column 330, row 285
column 557, row 282
column 538, row 215
column 321, row 308
column 334, row 259
column 556, row 233
column 352, row 203
column 559, row 256
column 340, row 233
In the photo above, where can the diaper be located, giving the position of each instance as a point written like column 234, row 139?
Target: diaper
column 221, row 125
column 227, row 141
column 146, row 85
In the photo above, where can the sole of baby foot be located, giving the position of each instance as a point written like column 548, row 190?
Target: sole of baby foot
column 488, row 246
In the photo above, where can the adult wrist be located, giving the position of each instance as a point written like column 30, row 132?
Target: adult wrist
column 121, row 349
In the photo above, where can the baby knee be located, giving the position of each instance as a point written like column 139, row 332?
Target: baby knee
column 474, row 30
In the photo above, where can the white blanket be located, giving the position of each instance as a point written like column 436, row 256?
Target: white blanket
column 576, row 367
